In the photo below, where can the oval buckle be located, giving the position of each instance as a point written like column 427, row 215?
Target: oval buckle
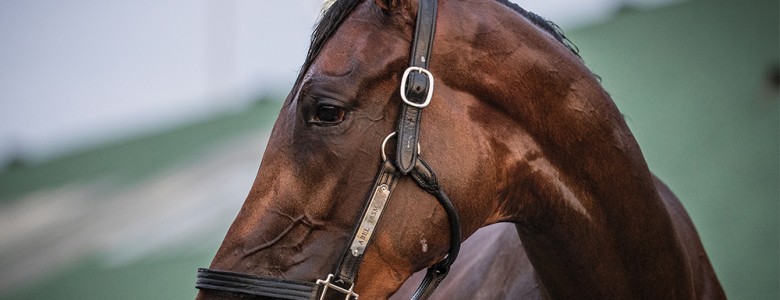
column 384, row 143
column 430, row 87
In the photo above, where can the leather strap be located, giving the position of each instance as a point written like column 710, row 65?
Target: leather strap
column 417, row 87
column 429, row 284
column 384, row 184
column 388, row 177
column 257, row 286
column 426, row 179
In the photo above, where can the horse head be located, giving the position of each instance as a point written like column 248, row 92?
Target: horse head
column 517, row 130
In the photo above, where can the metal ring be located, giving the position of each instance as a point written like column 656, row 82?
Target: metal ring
column 387, row 138
column 403, row 87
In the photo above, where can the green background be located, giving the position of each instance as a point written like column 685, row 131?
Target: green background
column 690, row 79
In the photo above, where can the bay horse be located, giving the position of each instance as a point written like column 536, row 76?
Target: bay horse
column 517, row 130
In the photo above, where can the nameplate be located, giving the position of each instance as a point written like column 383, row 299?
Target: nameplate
column 370, row 218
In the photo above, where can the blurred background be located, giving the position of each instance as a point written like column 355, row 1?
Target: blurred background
column 131, row 131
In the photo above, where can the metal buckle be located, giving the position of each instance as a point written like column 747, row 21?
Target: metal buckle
column 328, row 284
column 430, row 88
column 384, row 143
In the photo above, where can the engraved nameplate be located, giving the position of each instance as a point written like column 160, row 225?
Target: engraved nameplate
column 368, row 223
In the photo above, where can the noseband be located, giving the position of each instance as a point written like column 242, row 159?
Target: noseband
column 416, row 91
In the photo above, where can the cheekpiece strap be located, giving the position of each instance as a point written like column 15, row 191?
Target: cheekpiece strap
column 384, row 184
column 416, row 87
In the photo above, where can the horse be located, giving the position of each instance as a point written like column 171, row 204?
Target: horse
column 516, row 130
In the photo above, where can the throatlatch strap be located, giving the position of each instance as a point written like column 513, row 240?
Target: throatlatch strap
column 429, row 284
column 426, row 178
column 417, row 87
column 256, row 286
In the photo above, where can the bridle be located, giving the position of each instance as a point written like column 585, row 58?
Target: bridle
column 416, row 92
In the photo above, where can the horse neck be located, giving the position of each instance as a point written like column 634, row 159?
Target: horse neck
column 586, row 208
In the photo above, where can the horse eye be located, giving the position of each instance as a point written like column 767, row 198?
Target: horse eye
column 329, row 115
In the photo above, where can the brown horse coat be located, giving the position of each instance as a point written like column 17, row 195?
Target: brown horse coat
column 519, row 131
column 493, row 264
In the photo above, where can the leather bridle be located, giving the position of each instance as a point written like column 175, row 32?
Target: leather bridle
column 416, row 91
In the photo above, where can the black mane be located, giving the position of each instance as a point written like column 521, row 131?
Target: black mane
column 547, row 25
column 326, row 26
column 334, row 15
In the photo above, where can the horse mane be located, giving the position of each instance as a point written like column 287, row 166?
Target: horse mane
column 338, row 11
column 547, row 25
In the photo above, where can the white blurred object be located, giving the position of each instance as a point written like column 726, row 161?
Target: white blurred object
column 79, row 73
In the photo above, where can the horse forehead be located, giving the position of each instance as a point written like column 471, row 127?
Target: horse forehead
column 358, row 44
